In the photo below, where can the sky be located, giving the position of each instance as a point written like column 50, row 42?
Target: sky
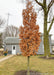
column 14, row 8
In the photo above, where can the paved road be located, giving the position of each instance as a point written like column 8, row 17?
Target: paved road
column 7, row 57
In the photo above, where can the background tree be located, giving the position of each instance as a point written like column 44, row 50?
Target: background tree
column 2, row 22
column 10, row 31
column 46, row 10
column 1, row 41
column 29, row 32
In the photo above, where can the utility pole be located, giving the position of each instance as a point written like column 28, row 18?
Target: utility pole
column 8, row 18
column 7, row 22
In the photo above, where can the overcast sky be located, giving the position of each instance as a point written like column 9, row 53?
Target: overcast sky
column 14, row 8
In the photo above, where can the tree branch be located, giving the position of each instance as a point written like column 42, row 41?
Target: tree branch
column 50, row 4
column 2, row 22
column 51, row 25
column 39, row 3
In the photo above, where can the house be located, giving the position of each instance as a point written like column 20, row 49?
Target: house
column 52, row 45
column 12, row 44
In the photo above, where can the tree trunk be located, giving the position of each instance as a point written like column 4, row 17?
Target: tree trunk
column 46, row 37
column 28, row 73
column 46, row 46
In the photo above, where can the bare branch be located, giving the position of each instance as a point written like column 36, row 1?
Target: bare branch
column 50, row 4
column 40, row 9
column 51, row 25
column 10, row 31
column 2, row 22
column 39, row 3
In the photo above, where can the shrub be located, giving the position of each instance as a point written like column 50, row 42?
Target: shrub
column 5, row 52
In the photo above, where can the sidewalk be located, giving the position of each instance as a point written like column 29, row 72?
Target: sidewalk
column 2, row 59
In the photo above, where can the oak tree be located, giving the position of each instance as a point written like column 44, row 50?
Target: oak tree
column 29, row 32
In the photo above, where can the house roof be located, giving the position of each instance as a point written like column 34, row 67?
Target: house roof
column 12, row 40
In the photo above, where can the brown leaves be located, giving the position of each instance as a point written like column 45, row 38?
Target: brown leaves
column 29, row 34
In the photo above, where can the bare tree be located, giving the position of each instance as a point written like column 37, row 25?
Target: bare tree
column 1, row 41
column 10, row 31
column 46, row 7
column 2, row 22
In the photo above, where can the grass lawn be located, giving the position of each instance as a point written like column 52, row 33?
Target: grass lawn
column 17, row 63
column 3, row 56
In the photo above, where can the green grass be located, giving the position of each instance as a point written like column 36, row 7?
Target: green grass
column 17, row 63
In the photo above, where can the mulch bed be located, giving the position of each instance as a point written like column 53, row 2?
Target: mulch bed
column 25, row 73
column 46, row 58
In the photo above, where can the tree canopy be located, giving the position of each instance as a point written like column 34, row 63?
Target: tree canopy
column 29, row 32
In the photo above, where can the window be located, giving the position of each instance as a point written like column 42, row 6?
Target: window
column 13, row 47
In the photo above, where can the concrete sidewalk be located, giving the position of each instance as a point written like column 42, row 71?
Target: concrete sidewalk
column 7, row 57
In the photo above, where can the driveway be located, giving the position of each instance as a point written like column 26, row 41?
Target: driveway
column 5, row 58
